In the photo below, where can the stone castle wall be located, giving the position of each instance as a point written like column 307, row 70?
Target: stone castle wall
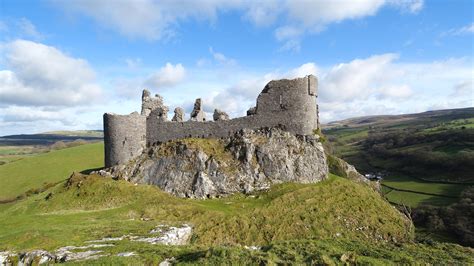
column 289, row 104
column 124, row 137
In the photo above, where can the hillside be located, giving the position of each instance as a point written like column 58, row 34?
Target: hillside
column 16, row 147
column 334, row 221
column 33, row 172
column 426, row 162
column 321, row 223
column 423, row 158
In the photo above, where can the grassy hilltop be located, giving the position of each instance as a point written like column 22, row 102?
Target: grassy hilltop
column 334, row 221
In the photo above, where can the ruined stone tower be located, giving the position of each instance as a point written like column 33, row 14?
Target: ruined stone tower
column 288, row 104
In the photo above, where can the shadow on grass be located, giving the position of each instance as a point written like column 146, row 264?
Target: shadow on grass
column 192, row 256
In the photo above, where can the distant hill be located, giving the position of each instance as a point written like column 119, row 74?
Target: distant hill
column 438, row 116
column 430, row 152
column 48, row 138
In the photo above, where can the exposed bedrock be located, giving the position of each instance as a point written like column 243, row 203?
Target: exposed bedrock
column 249, row 160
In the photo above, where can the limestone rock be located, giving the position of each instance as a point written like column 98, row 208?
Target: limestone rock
column 220, row 115
column 178, row 114
column 198, row 114
column 171, row 236
column 249, row 160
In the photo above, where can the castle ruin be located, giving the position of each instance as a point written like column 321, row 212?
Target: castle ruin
column 288, row 104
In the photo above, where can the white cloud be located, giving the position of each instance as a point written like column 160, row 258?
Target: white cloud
column 304, row 70
column 395, row 92
column 133, row 63
column 263, row 13
column 29, row 114
column 464, row 88
column 128, row 87
column 167, row 76
column 36, row 119
column 316, row 14
column 378, row 84
column 290, row 36
column 358, row 78
column 156, row 19
column 382, row 85
column 288, row 32
column 468, row 29
column 29, row 29
column 412, row 6
column 148, row 19
column 310, row 16
column 43, row 75
column 221, row 58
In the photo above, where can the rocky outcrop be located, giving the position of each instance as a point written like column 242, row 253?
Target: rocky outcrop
column 249, row 160
column 162, row 235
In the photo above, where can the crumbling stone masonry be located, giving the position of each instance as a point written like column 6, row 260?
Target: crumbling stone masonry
column 288, row 104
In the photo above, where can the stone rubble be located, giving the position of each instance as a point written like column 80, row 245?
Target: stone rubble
column 127, row 254
column 167, row 262
column 165, row 235
column 169, row 235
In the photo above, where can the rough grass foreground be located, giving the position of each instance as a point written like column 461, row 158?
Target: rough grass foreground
column 334, row 220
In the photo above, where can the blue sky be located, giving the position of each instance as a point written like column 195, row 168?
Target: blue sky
column 64, row 63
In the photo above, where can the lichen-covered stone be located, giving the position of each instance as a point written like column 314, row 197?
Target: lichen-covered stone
column 249, row 160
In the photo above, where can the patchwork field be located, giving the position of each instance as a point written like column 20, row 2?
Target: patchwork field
column 424, row 158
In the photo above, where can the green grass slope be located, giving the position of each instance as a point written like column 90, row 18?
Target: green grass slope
column 91, row 207
column 334, row 221
column 33, row 172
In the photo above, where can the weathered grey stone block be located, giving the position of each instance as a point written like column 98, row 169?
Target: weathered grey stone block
column 178, row 115
column 220, row 115
column 198, row 114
